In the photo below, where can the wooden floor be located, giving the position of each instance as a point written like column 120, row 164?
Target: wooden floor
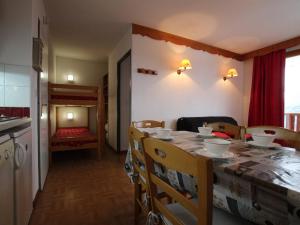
column 82, row 191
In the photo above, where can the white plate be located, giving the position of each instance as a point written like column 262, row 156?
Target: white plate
column 170, row 138
column 225, row 155
column 206, row 136
column 272, row 145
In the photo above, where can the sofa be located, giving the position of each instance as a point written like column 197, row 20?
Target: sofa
column 192, row 123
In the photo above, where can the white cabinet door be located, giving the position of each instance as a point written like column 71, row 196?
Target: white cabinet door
column 23, row 178
column 7, row 183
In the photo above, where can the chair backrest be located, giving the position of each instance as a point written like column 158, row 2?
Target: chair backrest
column 136, row 145
column 232, row 130
column 174, row 158
column 192, row 123
column 290, row 138
column 148, row 124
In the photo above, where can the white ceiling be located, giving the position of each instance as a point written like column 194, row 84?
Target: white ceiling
column 89, row 29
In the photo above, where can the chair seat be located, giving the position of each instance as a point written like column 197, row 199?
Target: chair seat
column 220, row 217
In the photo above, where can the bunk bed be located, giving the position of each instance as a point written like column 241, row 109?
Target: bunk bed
column 75, row 138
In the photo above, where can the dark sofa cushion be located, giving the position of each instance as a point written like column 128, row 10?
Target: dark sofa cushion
column 192, row 123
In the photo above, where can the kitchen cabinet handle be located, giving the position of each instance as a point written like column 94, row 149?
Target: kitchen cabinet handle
column 20, row 149
column 17, row 160
column 6, row 155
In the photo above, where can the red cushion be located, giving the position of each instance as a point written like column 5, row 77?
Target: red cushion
column 221, row 135
column 248, row 136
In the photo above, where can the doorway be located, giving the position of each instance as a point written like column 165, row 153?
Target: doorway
column 123, row 101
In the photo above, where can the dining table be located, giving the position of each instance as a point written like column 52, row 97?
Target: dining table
column 261, row 185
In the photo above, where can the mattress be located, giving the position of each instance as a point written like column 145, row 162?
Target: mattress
column 73, row 132
column 73, row 136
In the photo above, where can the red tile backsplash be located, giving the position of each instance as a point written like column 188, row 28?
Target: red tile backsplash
column 15, row 111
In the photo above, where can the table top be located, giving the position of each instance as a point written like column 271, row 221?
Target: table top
column 277, row 169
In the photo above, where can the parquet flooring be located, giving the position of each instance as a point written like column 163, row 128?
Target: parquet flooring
column 82, row 191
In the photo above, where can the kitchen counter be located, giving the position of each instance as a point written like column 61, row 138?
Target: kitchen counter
column 14, row 123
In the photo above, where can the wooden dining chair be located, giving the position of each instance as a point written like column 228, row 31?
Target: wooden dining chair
column 141, row 190
column 174, row 158
column 231, row 130
column 148, row 124
column 284, row 136
column 183, row 210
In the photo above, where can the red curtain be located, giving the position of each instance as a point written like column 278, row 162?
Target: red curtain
column 267, row 93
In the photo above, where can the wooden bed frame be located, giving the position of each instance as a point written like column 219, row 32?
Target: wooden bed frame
column 67, row 95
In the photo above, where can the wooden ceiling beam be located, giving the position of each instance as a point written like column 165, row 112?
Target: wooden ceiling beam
column 293, row 53
column 266, row 50
column 160, row 35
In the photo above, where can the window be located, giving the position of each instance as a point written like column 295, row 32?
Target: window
column 292, row 93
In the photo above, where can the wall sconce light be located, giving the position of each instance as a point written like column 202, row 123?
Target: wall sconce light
column 184, row 65
column 70, row 77
column 70, row 116
column 44, row 111
column 230, row 74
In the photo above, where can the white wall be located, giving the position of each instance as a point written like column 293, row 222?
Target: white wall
column 15, row 32
column 123, row 46
column 248, row 68
column 51, row 62
column 85, row 72
column 52, row 78
column 80, row 117
column 197, row 92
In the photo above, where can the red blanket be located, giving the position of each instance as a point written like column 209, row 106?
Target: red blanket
column 72, row 132
column 73, row 136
